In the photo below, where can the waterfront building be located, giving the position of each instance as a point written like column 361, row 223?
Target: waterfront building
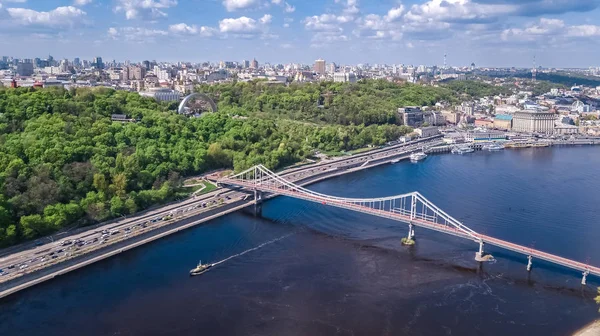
column 425, row 132
column 485, row 136
column 503, row 122
column 534, row 121
column 565, row 129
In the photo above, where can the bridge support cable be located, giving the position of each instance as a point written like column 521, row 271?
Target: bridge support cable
column 412, row 205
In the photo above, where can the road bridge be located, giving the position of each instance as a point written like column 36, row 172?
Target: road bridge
column 411, row 208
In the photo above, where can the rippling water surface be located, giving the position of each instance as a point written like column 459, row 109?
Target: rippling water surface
column 327, row 271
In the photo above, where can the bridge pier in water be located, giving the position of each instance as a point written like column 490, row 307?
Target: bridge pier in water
column 258, row 202
column 584, row 279
column 529, row 263
column 409, row 240
column 480, row 255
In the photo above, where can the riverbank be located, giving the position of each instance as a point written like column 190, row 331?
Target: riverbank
column 592, row 329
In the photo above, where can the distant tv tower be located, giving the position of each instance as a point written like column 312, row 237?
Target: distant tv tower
column 444, row 60
column 533, row 71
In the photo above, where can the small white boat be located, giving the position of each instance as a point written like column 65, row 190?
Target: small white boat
column 462, row 150
column 493, row 147
column 200, row 268
column 416, row 157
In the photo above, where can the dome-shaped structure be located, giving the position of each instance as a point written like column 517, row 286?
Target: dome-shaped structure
column 196, row 104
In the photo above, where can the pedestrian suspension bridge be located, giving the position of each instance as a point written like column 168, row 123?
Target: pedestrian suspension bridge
column 411, row 208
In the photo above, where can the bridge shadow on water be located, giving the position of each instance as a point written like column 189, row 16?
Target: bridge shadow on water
column 508, row 268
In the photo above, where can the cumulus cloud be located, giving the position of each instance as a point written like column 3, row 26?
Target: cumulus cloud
column 541, row 30
column 144, row 9
column 326, row 22
column 242, row 25
column 66, row 16
column 233, row 5
column 184, row 29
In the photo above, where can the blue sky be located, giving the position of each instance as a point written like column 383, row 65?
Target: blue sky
column 561, row 33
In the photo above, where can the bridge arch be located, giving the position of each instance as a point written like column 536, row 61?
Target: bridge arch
column 184, row 105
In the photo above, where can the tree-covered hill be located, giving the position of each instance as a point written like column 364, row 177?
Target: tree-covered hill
column 63, row 162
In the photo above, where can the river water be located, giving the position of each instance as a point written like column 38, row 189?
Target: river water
column 325, row 271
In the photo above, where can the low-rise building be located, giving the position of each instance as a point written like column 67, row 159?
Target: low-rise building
column 425, row 132
column 503, row 122
column 565, row 129
column 484, row 122
column 451, row 117
column 161, row 94
column 485, row 136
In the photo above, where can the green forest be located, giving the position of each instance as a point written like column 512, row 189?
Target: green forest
column 64, row 163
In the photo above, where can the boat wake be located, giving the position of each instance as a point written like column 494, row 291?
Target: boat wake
column 254, row 248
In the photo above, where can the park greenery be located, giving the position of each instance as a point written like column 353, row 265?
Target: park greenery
column 64, row 163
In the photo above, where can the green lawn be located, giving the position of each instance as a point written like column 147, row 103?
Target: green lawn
column 186, row 191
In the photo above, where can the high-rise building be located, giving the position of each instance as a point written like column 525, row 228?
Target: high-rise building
column 246, row 64
column 254, row 64
column 25, row 68
column 76, row 62
column 319, row 66
column 137, row 72
column 98, row 63
column 146, row 65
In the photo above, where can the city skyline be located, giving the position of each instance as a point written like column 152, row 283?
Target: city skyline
column 486, row 32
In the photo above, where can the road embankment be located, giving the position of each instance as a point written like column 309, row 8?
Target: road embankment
column 51, row 272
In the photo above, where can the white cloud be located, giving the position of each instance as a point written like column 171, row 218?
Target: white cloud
column 394, row 13
column 246, row 27
column 59, row 17
column 144, row 9
column 350, row 6
column 184, row 29
column 135, row 34
column 289, row 8
column 266, row 19
column 240, row 25
column 549, row 29
column 277, row 2
column 325, row 22
column 81, row 2
column 233, row 5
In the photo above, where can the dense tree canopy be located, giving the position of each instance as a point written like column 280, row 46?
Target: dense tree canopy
column 63, row 162
column 373, row 102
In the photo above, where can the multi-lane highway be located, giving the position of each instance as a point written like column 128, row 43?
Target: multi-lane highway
column 103, row 240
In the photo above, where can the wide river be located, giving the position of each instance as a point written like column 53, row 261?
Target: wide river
column 326, row 271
